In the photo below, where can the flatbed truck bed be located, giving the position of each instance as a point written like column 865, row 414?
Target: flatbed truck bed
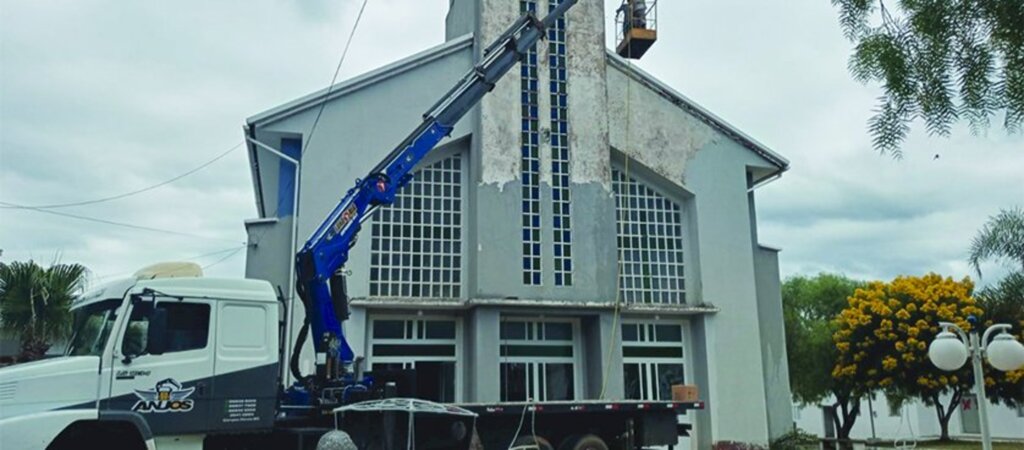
column 625, row 424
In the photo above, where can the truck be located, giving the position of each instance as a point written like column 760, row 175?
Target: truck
column 169, row 359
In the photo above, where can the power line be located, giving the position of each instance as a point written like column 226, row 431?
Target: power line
column 225, row 258
column 323, row 102
column 334, row 79
column 236, row 248
column 111, row 222
column 130, row 193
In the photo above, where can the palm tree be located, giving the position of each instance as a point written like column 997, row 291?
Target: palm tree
column 1002, row 237
column 35, row 303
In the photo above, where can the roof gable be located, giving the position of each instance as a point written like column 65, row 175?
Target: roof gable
column 372, row 77
column 691, row 107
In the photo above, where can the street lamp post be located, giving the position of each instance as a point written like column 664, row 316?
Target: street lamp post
column 949, row 352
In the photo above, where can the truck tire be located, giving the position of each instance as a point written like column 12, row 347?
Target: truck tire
column 585, row 442
column 529, row 442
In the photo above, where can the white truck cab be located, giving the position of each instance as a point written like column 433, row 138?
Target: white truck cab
column 155, row 364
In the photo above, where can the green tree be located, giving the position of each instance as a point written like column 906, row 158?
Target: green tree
column 35, row 302
column 939, row 61
column 810, row 306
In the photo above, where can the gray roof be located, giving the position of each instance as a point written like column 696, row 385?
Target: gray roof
column 374, row 76
column 696, row 110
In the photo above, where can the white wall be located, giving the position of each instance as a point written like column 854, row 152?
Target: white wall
column 915, row 420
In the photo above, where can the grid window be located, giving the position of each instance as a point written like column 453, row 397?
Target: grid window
column 652, row 357
column 650, row 239
column 416, row 247
column 530, row 161
column 560, row 194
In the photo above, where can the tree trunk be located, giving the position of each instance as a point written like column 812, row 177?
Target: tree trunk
column 849, row 419
column 943, row 426
column 32, row 349
column 844, row 415
column 944, row 414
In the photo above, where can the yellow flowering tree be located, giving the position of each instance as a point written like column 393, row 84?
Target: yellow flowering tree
column 883, row 335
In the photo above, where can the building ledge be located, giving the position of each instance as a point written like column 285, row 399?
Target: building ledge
column 455, row 303
column 770, row 248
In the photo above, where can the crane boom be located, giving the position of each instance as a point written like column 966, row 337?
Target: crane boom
column 320, row 284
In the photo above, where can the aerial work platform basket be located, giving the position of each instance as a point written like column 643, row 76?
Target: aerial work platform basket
column 637, row 25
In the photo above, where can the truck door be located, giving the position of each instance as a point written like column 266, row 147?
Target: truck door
column 163, row 365
column 245, row 387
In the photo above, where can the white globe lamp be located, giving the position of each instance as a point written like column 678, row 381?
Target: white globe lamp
column 1005, row 353
column 947, row 352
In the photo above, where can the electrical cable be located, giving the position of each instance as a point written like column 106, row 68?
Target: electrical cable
column 225, row 258
column 522, row 419
column 323, row 103
column 900, row 443
column 190, row 258
column 616, row 315
column 334, row 78
column 129, row 193
column 115, row 223
column 300, row 340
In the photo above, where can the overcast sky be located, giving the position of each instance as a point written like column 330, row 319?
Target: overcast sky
column 98, row 98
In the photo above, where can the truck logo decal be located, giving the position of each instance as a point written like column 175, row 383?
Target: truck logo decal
column 131, row 374
column 345, row 218
column 168, row 396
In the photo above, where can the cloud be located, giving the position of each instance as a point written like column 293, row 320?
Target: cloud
column 101, row 97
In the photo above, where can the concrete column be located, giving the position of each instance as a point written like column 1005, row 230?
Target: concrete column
column 481, row 361
column 735, row 384
column 357, row 330
column 597, row 336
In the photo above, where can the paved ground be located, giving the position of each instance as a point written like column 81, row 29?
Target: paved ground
column 968, row 446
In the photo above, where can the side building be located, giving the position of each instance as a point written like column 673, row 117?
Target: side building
column 585, row 232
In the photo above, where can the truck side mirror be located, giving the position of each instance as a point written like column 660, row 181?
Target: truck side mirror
column 156, row 334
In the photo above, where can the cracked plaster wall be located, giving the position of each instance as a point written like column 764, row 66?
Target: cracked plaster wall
column 653, row 131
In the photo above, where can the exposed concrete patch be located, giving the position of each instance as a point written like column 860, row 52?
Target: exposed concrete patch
column 661, row 136
column 588, row 95
column 500, row 123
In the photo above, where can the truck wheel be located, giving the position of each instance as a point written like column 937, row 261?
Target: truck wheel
column 530, row 443
column 585, row 442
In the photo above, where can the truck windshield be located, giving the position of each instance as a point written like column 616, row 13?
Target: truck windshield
column 93, row 324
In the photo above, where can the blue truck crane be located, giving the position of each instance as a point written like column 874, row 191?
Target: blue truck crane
column 320, row 282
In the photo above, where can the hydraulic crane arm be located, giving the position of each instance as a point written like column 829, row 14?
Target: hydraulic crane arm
column 318, row 264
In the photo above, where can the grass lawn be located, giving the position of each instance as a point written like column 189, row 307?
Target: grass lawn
column 968, row 445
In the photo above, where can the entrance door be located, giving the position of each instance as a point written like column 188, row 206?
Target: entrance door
column 171, row 390
column 970, row 422
column 830, row 425
column 538, row 360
